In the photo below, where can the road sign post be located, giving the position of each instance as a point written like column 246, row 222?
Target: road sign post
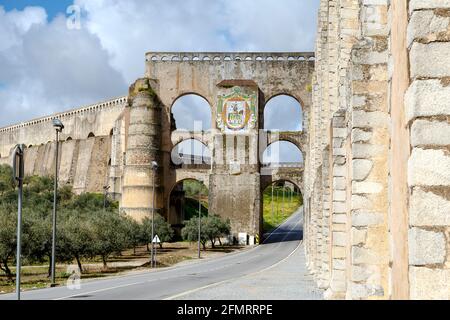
column 18, row 174
column 155, row 241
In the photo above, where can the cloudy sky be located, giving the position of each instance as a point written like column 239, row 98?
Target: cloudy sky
column 46, row 67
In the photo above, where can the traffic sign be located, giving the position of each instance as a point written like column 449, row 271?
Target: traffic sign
column 156, row 239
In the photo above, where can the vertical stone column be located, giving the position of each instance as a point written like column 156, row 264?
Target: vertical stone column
column 399, row 152
column 324, row 235
column 339, row 198
column 370, row 146
column 143, row 145
column 428, row 117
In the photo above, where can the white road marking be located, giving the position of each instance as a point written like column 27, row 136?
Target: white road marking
column 187, row 292
column 245, row 275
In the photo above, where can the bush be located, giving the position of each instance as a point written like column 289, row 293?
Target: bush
column 212, row 228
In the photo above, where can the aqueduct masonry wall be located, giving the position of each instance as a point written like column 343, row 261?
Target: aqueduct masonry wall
column 113, row 143
column 377, row 177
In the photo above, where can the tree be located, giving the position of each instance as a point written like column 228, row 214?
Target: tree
column 110, row 234
column 79, row 238
column 190, row 231
column 8, row 241
column 135, row 232
column 216, row 227
column 162, row 229
column 6, row 179
column 212, row 227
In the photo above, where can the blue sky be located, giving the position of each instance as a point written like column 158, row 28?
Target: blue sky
column 53, row 7
column 47, row 67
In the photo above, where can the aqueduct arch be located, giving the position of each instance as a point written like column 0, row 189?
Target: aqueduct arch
column 237, row 87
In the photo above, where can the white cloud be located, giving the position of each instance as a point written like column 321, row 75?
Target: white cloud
column 46, row 67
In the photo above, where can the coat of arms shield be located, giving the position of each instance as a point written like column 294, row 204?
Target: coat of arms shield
column 236, row 111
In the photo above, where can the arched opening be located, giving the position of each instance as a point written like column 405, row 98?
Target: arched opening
column 280, row 200
column 282, row 154
column 69, row 139
column 191, row 152
column 111, row 132
column 188, row 198
column 283, row 113
column 91, row 135
column 191, row 112
column 28, row 146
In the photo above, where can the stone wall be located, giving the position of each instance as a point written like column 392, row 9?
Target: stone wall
column 85, row 149
column 380, row 106
column 428, row 119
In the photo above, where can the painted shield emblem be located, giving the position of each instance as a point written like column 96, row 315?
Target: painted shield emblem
column 236, row 113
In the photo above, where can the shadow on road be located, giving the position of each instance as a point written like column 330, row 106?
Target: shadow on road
column 284, row 233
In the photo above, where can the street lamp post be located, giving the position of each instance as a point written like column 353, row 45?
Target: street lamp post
column 57, row 124
column 271, row 202
column 154, row 168
column 199, row 218
column 18, row 170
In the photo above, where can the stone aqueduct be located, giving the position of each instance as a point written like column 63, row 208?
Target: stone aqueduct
column 375, row 139
column 113, row 143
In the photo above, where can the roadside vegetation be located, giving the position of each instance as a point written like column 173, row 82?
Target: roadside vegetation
column 283, row 208
column 97, row 239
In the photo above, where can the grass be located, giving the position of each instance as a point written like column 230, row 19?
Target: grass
column 281, row 210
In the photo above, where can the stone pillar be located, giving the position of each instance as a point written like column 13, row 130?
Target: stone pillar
column 234, row 185
column 339, row 217
column 143, row 145
column 370, row 147
column 428, row 118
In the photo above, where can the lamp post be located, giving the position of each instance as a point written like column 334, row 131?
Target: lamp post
column 271, row 202
column 57, row 124
column 154, row 168
column 199, row 219
column 18, row 171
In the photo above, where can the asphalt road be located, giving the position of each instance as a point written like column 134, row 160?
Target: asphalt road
column 178, row 281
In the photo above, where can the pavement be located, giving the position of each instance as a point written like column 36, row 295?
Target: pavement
column 287, row 280
column 272, row 270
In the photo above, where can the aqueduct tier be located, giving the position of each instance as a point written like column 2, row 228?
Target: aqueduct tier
column 113, row 143
column 237, row 87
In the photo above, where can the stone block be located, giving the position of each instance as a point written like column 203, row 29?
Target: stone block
column 364, row 119
column 428, row 4
column 366, row 151
column 364, row 256
column 360, row 202
column 434, row 133
column 427, row 98
column 430, row 60
column 358, row 236
column 429, row 168
column 424, row 24
column 364, row 219
column 339, row 183
column 359, row 135
column 366, row 187
column 361, row 169
column 339, row 239
column 429, row 284
column 426, row 247
column 429, row 209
